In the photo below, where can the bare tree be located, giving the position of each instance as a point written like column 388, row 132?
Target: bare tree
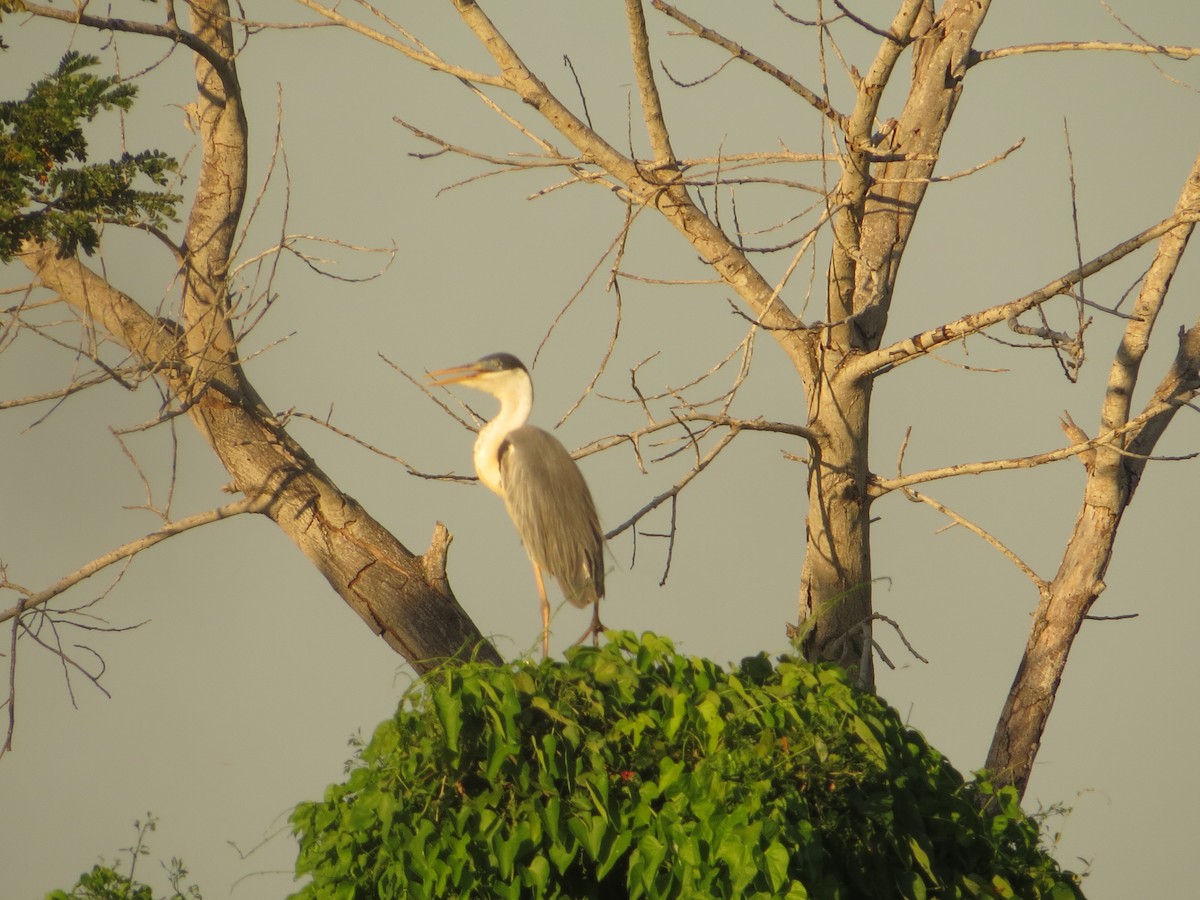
column 403, row 597
column 870, row 207
column 870, row 179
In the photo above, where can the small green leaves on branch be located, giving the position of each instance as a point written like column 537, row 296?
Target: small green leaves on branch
column 43, row 197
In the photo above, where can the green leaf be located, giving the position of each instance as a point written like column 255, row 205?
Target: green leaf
column 867, row 735
column 911, row 886
column 589, row 831
column 1062, row 891
column 536, row 874
column 921, row 858
column 449, row 712
column 651, row 852
column 613, row 852
column 777, row 861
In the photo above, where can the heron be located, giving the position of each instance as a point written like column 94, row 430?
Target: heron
column 541, row 486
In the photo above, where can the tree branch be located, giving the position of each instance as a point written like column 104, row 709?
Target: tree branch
column 127, row 550
column 991, row 539
column 887, row 358
column 667, row 194
column 652, row 111
column 1135, row 341
column 1175, row 52
column 171, row 31
column 678, row 486
column 880, row 486
column 422, row 55
column 737, row 50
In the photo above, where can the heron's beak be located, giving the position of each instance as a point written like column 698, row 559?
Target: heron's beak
column 453, row 375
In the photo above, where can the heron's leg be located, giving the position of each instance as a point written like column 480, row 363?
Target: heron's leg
column 597, row 625
column 537, row 573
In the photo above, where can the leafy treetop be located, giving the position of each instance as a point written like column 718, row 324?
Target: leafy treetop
column 634, row 771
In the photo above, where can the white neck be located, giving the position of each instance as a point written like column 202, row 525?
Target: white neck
column 515, row 394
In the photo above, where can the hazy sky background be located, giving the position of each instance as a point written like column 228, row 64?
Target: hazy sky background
column 236, row 699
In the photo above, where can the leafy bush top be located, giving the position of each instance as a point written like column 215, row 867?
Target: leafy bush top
column 634, row 771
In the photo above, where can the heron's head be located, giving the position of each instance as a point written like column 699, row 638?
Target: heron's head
column 495, row 374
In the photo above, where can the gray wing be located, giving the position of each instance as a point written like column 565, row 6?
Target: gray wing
column 549, row 502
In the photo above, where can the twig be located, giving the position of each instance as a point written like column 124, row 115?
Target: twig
column 964, row 173
column 652, row 110
column 887, row 358
column 170, row 31
column 678, row 486
column 818, row 103
column 1012, row 557
column 412, row 470
column 899, row 633
column 880, row 486
column 420, row 53
column 127, row 550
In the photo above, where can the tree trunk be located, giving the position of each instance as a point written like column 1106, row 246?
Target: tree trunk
column 836, row 577
column 884, row 179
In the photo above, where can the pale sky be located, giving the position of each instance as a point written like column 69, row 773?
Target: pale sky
column 235, row 699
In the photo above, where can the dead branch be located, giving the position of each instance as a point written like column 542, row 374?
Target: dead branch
column 418, row 53
column 678, row 486
column 987, row 163
column 652, row 111
column 509, row 162
column 991, row 539
column 1173, row 51
column 885, row 359
column 1135, row 340
column 131, row 548
column 411, row 469
column 880, row 617
column 820, row 104
column 880, row 486
column 74, row 387
column 170, row 31
column 615, row 286
column 1111, row 483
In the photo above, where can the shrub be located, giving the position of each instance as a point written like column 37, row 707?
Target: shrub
column 634, row 771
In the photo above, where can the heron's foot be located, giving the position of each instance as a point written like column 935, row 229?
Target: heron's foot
column 594, row 631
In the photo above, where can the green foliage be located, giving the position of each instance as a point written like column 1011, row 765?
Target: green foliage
column 41, row 196
column 634, row 771
column 109, row 883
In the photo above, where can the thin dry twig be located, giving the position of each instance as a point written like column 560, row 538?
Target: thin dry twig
column 880, row 617
column 820, row 104
column 887, row 358
column 131, row 548
column 366, row 445
column 678, row 486
column 991, row 539
column 880, row 486
column 416, row 51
